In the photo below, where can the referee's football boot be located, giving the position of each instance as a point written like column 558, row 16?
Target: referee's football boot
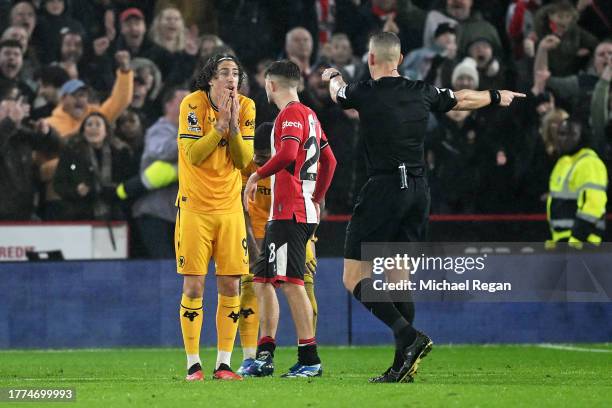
column 299, row 370
column 247, row 362
column 262, row 366
column 414, row 353
column 389, row 376
column 195, row 373
column 224, row 372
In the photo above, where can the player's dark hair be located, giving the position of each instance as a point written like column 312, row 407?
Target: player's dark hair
column 209, row 71
column 10, row 44
column 262, row 136
column 285, row 69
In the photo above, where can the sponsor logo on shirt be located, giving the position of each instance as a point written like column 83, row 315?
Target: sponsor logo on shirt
column 289, row 123
column 250, row 123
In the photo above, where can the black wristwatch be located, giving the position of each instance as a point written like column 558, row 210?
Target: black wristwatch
column 495, row 96
column 335, row 74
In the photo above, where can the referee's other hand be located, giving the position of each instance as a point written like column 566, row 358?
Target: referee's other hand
column 508, row 96
column 325, row 76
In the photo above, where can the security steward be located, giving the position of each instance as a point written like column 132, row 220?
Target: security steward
column 576, row 206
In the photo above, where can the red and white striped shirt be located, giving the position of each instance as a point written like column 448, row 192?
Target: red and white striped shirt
column 297, row 181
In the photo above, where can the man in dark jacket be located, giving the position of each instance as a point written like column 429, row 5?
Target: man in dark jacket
column 18, row 142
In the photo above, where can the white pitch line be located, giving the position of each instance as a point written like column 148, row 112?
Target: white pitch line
column 572, row 348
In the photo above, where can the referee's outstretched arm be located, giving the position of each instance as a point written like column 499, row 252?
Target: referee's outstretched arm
column 470, row 100
column 466, row 98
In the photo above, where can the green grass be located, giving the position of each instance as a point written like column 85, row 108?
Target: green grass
column 462, row 376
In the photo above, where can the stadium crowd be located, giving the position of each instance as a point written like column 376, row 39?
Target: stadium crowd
column 89, row 94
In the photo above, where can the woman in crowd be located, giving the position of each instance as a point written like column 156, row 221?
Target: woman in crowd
column 168, row 31
column 92, row 164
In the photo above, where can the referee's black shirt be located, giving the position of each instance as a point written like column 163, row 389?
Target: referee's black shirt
column 394, row 112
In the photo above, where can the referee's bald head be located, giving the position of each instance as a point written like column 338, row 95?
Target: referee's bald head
column 386, row 47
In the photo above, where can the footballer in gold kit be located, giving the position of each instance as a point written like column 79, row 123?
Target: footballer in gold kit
column 216, row 132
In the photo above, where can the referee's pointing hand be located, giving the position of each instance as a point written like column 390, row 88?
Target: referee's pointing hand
column 508, row 96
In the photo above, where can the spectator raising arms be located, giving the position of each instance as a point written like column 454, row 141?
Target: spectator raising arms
column 75, row 104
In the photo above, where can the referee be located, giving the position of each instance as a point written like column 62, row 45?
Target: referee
column 393, row 205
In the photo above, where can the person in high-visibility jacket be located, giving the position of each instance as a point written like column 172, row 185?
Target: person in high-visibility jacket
column 576, row 206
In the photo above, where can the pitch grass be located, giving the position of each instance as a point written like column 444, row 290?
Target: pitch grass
column 462, row 376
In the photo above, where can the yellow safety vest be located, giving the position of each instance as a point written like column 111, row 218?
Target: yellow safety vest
column 576, row 205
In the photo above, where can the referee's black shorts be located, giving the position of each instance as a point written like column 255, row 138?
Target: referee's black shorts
column 386, row 213
column 283, row 252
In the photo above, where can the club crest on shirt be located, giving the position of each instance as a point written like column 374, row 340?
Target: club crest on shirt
column 192, row 122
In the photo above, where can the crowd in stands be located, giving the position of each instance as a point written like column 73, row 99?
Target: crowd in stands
column 89, row 93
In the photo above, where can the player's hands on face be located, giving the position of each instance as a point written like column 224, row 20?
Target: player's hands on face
column 325, row 76
column 508, row 96
column 225, row 112
column 250, row 189
column 235, row 115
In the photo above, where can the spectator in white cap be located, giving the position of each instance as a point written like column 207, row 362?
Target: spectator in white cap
column 465, row 75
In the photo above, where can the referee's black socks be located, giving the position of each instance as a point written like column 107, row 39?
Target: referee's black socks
column 379, row 303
